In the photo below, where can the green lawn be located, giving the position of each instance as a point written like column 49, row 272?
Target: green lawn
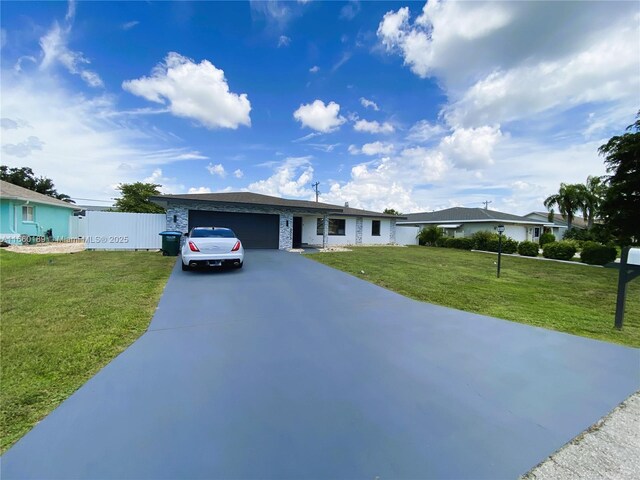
column 63, row 318
column 576, row 299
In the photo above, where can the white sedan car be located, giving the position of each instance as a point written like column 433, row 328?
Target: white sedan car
column 211, row 247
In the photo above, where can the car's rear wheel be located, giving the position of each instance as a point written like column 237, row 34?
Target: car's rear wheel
column 185, row 267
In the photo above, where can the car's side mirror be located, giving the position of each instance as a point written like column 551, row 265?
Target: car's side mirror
column 186, row 234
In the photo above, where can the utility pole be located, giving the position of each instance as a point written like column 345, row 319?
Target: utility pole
column 486, row 204
column 315, row 185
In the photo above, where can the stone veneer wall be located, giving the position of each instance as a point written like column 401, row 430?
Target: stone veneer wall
column 181, row 211
column 359, row 226
column 392, row 231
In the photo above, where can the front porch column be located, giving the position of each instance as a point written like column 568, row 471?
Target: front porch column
column 325, row 231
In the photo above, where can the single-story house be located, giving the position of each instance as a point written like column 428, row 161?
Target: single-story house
column 559, row 225
column 25, row 212
column 263, row 221
column 464, row 222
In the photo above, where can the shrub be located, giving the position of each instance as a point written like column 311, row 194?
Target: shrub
column 460, row 243
column 559, row 250
column 430, row 236
column 546, row 238
column 597, row 254
column 509, row 245
column 442, row 242
column 577, row 244
column 528, row 249
column 481, row 239
column 577, row 234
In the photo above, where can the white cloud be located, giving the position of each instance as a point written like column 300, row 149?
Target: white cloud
column 217, row 169
column 24, row 148
column 482, row 54
column 424, row 131
column 390, row 181
column 104, row 149
column 55, row 50
column 314, row 69
column 369, row 104
column 471, row 148
column 377, row 148
column 283, row 41
column 320, row 117
column 71, row 11
column 292, row 178
column 199, row 190
column 373, row 127
column 193, row 90
column 191, row 156
column 607, row 71
column 238, row 173
column 167, row 185
column 130, row 25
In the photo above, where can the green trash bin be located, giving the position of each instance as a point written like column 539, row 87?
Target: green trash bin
column 171, row 243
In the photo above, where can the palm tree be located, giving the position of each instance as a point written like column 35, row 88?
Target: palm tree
column 567, row 200
column 590, row 197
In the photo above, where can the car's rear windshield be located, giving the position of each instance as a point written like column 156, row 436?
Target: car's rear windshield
column 212, row 232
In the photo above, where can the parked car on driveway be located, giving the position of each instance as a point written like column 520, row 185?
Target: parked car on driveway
column 212, row 247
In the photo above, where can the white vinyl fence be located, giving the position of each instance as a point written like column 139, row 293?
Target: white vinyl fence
column 123, row 231
column 406, row 235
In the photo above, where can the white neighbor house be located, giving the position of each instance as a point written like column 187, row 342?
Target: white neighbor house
column 464, row 222
column 262, row 221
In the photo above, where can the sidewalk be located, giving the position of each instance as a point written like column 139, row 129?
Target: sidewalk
column 610, row 449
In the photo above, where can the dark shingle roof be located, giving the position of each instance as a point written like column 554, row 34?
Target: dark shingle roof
column 248, row 198
column 9, row 190
column 461, row 214
column 559, row 220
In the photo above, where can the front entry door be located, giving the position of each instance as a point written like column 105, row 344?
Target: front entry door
column 297, row 232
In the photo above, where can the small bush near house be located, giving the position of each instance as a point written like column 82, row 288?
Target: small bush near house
column 597, row 254
column 528, row 249
column 430, row 236
column 576, row 243
column 481, row 240
column 442, row 242
column 559, row 250
column 546, row 238
column 509, row 245
column 577, row 234
column 460, row 243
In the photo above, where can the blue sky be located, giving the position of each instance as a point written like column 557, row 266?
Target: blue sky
column 411, row 105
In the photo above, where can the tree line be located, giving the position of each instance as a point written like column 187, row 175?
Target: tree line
column 612, row 201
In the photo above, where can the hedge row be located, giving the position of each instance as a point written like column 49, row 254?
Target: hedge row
column 592, row 253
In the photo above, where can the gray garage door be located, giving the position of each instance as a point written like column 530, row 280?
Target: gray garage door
column 255, row 230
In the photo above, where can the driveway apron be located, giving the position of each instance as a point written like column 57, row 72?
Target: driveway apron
column 290, row 369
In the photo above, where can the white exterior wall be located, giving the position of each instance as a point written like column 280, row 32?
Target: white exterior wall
column 385, row 230
column 517, row 232
column 309, row 232
column 407, row 235
column 123, row 231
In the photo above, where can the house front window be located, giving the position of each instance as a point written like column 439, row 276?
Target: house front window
column 336, row 226
column 375, row 228
column 27, row 213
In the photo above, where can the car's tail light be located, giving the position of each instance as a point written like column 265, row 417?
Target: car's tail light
column 193, row 248
column 236, row 247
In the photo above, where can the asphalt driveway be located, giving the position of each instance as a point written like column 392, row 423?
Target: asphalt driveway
column 290, row 369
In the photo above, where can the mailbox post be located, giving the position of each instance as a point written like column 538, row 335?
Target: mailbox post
column 629, row 269
column 500, row 232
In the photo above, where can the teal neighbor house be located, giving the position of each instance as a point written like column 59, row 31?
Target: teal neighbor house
column 25, row 212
